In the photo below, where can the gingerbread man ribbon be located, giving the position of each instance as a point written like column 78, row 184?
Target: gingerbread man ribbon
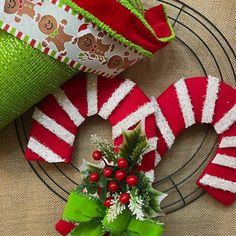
column 63, row 33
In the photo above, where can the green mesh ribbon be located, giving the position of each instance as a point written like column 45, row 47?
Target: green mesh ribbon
column 26, row 76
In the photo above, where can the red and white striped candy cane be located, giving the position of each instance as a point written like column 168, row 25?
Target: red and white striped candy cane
column 203, row 100
column 57, row 118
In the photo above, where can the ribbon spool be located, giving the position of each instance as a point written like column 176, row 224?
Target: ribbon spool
column 76, row 34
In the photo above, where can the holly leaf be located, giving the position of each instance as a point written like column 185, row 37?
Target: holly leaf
column 135, row 143
column 155, row 202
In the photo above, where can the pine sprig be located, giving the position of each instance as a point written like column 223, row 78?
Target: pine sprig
column 105, row 147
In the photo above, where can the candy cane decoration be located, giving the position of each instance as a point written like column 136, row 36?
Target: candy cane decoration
column 59, row 115
column 202, row 100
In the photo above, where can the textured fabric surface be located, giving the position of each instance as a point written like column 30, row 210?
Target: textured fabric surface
column 28, row 207
column 24, row 71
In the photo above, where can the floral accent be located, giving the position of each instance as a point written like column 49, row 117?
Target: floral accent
column 122, row 195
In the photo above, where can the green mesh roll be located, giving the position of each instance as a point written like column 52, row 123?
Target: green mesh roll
column 26, row 76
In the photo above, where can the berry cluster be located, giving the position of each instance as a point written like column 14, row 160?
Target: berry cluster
column 117, row 176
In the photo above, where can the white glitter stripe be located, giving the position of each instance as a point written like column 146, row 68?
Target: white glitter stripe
column 185, row 103
column 163, row 125
column 228, row 142
column 226, row 121
column 224, row 160
column 68, row 107
column 117, row 96
column 92, row 96
column 210, row 100
column 218, row 183
column 132, row 119
column 157, row 158
column 43, row 151
column 150, row 174
column 152, row 145
column 51, row 125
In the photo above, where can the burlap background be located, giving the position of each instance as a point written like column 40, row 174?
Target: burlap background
column 29, row 208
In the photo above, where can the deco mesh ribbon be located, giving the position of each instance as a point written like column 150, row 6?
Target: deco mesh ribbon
column 82, row 35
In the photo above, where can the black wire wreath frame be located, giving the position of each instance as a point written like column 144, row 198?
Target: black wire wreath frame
column 183, row 200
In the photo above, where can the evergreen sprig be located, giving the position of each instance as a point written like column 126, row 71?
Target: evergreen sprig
column 106, row 148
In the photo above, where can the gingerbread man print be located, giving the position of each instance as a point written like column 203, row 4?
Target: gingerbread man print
column 21, row 8
column 93, row 47
column 48, row 25
column 119, row 63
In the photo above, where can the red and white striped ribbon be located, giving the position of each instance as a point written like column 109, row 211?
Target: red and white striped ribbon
column 203, row 100
column 57, row 118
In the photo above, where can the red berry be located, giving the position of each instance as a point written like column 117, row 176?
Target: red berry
column 120, row 175
column 107, row 172
column 107, row 202
column 132, row 180
column 94, row 177
column 113, row 186
column 97, row 155
column 122, row 163
column 124, row 198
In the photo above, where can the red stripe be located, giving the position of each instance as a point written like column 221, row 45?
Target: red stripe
column 162, row 147
column 67, row 8
column 135, row 99
column 51, row 108
column 197, row 88
column 19, row 35
column 76, row 90
column 171, row 110
column 105, row 88
column 72, row 63
column 46, row 50
column 31, row 156
column 222, row 172
column 51, row 141
column 225, row 197
column 226, row 100
column 150, row 126
column 148, row 162
column 59, row 58
column 80, row 17
column 33, row 42
column 83, row 68
column 54, row 1
column 6, row 27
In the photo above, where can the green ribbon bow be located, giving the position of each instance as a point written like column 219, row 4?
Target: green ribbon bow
column 54, row 33
column 90, row 216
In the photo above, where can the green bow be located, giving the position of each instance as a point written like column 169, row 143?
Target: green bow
column 90, row 216
column 54, row 33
